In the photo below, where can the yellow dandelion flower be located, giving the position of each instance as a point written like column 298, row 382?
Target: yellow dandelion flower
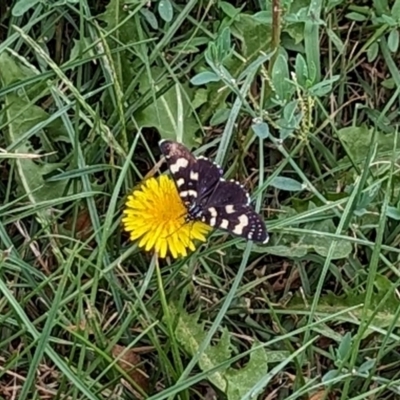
column 155, row 215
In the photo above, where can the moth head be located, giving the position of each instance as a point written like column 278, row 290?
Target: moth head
column 173, row 149
column 165, row 146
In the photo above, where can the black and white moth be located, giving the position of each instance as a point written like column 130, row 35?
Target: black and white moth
column 208, row 197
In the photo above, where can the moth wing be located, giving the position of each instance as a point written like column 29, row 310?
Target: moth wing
column 181, row 164
column 240, row 220
column 195, row 178
column 229, row 192
column 208, row 176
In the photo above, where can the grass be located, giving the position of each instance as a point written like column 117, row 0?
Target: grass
column 299, row 101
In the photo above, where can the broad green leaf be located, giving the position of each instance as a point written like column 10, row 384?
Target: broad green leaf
column 295, row 250
column 190, row 333
column 299, row 12
column 301, row 70
column 14, row 70
column 204, row 77
column 294, row 19
column 388, row 83
column 393, row 40
column 290, row 110
column 291, row 250
column 190, row 45
column 387, row 19
column 321, row 243
column 335, row 40
column 150, row 17
column 240, row 381
column 263, row 17
column 200, row 97
column 378, row 7
column 114, row 15
column 21, row 116
column 233, row 382
column 373, row 51
column 312, row 73
column 219, row 51
column 366, row 366
column 297, row 246
column 280, row 79
column 22, row 6
column 331, row 304
column 332, row 374
column 289, row 184
column 355, row 16
column 162, row 113
column 344, row 347
column 381, row 122
column 284, row 132
column 292, row 116
column 254, row 36
column 165, row 10
column 333, row 3
column 393, row 213
column 296, row 32
column 383, row 283
column 220, row 116
column 321, row 89
column 396, row 10
column 358, row 139
column 228, row 9
column 261, row 129
column 367, row 196
column 79, row 49
column 224, row 46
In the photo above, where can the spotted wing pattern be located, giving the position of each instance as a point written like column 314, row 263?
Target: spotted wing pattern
column 195, row 178
column 239, row 219
column 209, row 176
column 208, row 197
column 181, row 164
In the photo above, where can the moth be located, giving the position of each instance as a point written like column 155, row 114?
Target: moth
column 208, row 197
